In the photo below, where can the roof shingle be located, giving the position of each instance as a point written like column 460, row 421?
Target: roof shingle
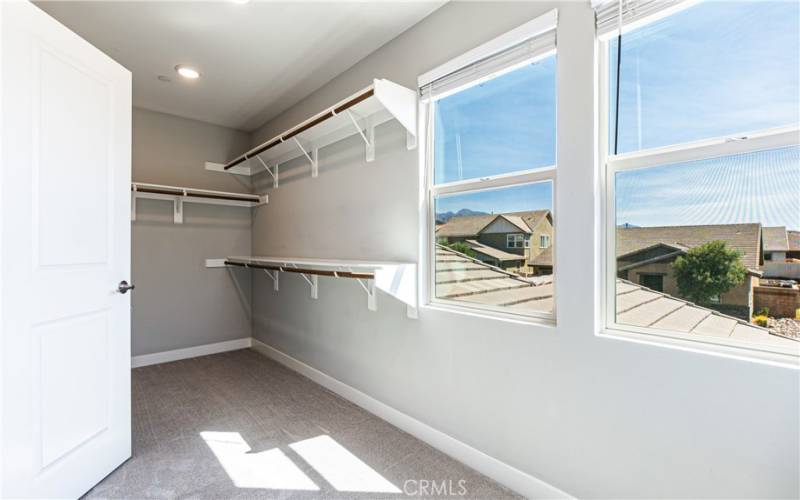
column 775, row 239
column 468, row 280
column 742, row 237
column 794, row 240
column 471, row 225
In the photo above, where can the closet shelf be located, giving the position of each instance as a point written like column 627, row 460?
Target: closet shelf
column 397, row 279
column 359, row 114
column 180, row 195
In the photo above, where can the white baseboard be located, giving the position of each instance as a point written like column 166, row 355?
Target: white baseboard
column 190, row 352
column 515, row 479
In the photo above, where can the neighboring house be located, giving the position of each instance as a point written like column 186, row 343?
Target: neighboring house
column 645, row 256
column 509, row 241
column 781, row 253
column 794, row 245
column 776, row 244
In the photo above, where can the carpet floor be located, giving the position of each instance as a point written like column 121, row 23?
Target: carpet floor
column 239, row 425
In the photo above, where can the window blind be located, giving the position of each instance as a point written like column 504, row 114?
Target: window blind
column 527, row 50
column 607, row 12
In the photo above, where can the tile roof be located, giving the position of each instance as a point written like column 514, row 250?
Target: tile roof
column 643, row 307
column 493, row 252
column 669, row 247
column 775, row 239
column 517, row 221
column 468, row 280
column 465, row 225
column 745, row 238
column 471, row 225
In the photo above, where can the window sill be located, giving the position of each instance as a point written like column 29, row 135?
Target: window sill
column 548, row 323
column 701, row 347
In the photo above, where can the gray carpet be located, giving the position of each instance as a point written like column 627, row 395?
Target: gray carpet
column 239, row 425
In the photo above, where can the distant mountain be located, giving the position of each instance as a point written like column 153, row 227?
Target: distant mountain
column 446, row 216
column 626, row 225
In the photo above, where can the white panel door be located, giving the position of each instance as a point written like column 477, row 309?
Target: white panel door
column 65, row 247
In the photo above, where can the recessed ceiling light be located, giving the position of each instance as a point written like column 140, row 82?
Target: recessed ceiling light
column 187, row 72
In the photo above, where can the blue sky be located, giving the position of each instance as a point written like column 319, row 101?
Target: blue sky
column 514, row 199
column 715, row 69
column 500, row 126
column 755, row 187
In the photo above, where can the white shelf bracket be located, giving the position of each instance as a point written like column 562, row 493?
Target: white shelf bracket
column 177, row 210
column 411, row 141
column 370, row 155
column 273, row 174
column 133, row 203
column 313, row 281
column 369, row 137
column 369, row 287
column 313, row 158
column 274, row 275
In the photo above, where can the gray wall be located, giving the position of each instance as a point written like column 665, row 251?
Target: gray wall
column 594, row 416
column 179, row 303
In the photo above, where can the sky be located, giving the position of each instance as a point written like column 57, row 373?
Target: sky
column 513, row 199
column 715, row 69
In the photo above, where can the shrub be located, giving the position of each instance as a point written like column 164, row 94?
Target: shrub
column 761, row 320
column 708, row 270
column 461, row 247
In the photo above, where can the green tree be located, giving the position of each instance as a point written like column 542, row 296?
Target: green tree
column 708, row 270
column 461, row 247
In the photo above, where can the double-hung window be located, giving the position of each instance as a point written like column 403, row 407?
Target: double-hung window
column 544, row 240
column 490, row 173
column 515, row 240
column 699, row 120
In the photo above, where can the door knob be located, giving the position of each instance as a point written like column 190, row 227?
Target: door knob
column 124, row 287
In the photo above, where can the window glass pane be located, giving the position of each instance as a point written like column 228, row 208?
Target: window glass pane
column 714, row 69
column 705, row 247
column 475, row 262
column 502, row 125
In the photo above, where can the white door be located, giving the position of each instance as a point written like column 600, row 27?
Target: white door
column 65, row 246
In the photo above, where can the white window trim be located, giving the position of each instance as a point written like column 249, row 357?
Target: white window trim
column 544, row 238
column 546, row 174
column 679, row 153
column 429, row 190
column 515, row 240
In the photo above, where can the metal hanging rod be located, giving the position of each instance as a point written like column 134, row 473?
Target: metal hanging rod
column 311, row 122
column 299, row 270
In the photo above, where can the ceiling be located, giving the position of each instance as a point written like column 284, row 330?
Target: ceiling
column 256, row 59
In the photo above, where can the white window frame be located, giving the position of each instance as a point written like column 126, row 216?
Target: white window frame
column 515, row 240
column 716, row 147
column 431, row 190
column 544, row 240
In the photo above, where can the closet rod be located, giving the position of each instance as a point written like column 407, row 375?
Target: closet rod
column 301, row 128
column 318, row 272
column 178, row 192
